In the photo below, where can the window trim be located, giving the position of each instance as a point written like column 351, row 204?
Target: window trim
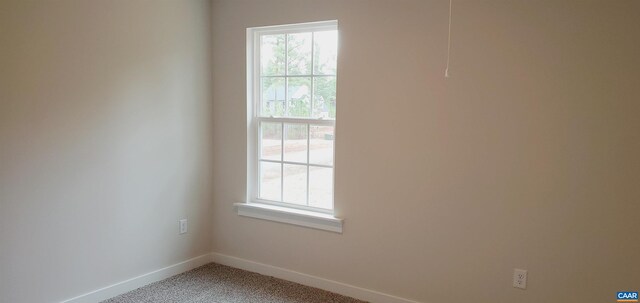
column 291, row 216
column 266, row 209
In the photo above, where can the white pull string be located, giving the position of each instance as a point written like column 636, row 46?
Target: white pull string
column 446, row 71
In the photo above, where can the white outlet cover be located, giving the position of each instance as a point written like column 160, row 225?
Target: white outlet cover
column 183, row 226
column 520, row 278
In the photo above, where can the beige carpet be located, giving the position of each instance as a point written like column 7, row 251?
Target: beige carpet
column 215, row 283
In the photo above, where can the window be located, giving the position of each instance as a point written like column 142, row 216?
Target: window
column 291, row 91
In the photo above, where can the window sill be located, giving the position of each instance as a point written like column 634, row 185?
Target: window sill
column 290, row 216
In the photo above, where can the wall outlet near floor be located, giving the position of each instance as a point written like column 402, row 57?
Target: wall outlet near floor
column 520, row 278
column 183, row 226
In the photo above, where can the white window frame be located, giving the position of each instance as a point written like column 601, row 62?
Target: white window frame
column 296, row 214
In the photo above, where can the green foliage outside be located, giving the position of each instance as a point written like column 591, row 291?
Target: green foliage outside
column 298, row 56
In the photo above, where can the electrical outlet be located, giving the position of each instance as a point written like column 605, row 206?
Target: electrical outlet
column 183, row 226
column 520, row 278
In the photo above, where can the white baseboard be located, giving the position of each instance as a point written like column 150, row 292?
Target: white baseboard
column 139, row 281
column 278, row 272
column 309, row 280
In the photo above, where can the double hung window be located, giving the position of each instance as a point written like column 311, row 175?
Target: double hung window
column 292, row 115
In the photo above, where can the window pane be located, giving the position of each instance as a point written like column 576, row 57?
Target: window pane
column 270, row 178
column 321, row 145
column 295, row 184
column 299, row 54
column 295, row 143
column 298, row 97
column 271, row 141
column 272, row 96
column 324, row 97
column 325, row 52
column 321, row 187
column 272, row 49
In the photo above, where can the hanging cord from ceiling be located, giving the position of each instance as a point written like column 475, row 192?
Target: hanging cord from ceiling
column 446, row 71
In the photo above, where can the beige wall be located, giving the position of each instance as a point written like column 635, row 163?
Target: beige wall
column 105, row 126
column 528, row 157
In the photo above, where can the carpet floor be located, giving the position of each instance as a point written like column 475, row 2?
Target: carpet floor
column 215, row 283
